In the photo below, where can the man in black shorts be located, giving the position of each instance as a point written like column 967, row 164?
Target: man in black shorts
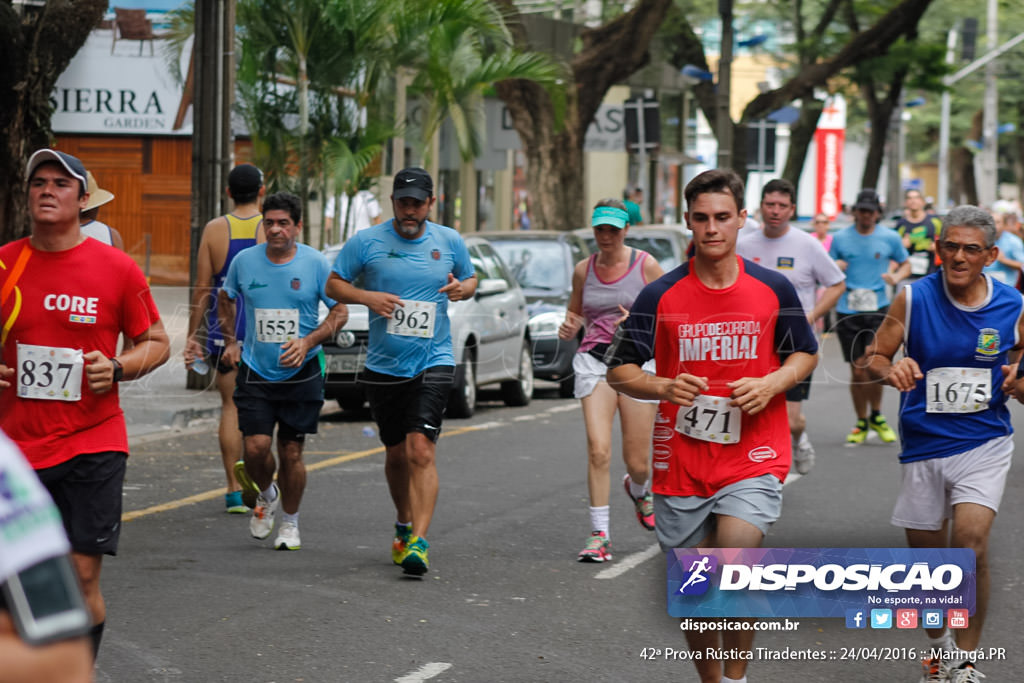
column 863, row 251
column 280, row 366
column 408, row 264
column 59, row 365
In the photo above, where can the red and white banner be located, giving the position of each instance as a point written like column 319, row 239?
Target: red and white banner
column 829, row 139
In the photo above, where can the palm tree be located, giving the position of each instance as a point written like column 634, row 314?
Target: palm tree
column 458, row 49
column 315, row 77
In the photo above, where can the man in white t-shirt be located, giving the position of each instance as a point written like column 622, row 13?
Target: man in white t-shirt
column 366, row 212
column 805, row 263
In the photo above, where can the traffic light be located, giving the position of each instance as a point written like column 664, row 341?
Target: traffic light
column 969, row 38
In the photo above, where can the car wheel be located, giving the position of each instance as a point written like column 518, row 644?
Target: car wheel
column 462, row 399
column 519, row 392
column 567, row 387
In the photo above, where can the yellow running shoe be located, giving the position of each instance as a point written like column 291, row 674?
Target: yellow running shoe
column 885, row 433
column 859, row 433
column 414, row 559
column 402, row 535
column 249, row 488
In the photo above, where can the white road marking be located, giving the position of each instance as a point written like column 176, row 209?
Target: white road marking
column 566, row 408
column 425, row 672
column 636, row 559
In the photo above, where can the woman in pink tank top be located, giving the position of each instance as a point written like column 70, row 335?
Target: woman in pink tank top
column 603, row 289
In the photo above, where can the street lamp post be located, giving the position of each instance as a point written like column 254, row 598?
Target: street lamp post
column 723, row 123
column 988, row 185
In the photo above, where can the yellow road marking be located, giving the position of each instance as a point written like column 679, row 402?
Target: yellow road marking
column 210, row 495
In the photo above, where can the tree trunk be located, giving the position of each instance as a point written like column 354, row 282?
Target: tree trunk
column 1018, row 143
column 554, row 153
column 879, row 118
column 554, row 156
column 801, row 133
column 35, row 48
column 964, row 185
column 880, row 115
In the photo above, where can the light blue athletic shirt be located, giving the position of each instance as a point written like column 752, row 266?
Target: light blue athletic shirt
column 298, row 284
column 414, row 270
column 1012, row 248
column 867, row 258
column 942, row 333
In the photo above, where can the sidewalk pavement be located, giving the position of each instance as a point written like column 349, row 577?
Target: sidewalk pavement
column 159, row 403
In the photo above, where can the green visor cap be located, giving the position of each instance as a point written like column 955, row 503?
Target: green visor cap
column 609, row 215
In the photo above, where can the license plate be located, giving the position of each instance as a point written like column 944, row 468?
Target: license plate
column 344, row 364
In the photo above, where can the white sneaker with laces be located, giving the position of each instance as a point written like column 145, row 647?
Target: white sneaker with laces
column 934, row 671
column 262, row 521
column 803, row 455
column 965, row 674
column 288, row 537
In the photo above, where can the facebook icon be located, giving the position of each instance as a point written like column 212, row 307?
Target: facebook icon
column 855, row 618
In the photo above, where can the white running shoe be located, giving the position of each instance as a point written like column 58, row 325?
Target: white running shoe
column 934, row 671
column 288, row 537
column 803, row 455
column 262, row 521
column 965, row 673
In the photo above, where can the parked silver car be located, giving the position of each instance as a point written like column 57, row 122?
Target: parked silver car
column 542, row 262
column 489, row 333
column 667, row 243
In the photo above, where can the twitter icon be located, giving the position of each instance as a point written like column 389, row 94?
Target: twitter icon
column 881, row 618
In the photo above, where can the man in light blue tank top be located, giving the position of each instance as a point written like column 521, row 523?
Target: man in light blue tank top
column 954, row 425
column 411, row 269
column 280, row 366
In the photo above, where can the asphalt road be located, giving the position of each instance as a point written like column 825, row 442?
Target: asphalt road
column 191, row 597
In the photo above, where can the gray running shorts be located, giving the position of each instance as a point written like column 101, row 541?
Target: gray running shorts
column 685, row 521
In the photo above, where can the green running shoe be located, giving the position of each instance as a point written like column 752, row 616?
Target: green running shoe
column 249, row 488
column 414, row 560
column 402, row 535
column 859, row 433
column 885, row 433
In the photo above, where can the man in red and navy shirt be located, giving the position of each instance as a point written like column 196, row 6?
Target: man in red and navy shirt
column 729, row 338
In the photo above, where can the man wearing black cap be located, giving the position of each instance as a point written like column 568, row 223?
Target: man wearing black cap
column 222, row 239
column 411, row 269
column 863, row 251
column 64, row 301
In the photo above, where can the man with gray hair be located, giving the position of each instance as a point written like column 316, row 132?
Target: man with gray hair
column 954, row 425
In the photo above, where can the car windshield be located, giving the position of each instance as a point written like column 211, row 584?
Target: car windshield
column 658, row 247
column 535, row 264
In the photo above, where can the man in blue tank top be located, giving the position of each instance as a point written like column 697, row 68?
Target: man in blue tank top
column 954, row 425
column 222, row 239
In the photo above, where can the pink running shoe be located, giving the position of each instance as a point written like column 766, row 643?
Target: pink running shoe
column 597, row 549
column 644, row 506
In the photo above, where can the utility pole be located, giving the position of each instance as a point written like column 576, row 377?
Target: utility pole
column 723, row 120
column 942, row 199
column 950, row 81
column 989, row 178
column 212, row 143
column 895, row 162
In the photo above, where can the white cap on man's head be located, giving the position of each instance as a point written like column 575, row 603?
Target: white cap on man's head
column 71, row 164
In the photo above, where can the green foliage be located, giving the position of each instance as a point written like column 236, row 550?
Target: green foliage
column 455, row 49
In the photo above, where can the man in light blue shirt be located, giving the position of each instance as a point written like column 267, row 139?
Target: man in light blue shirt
column 280, row 366
column 863, row 251
column 1006, row 267
column 411, row 269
